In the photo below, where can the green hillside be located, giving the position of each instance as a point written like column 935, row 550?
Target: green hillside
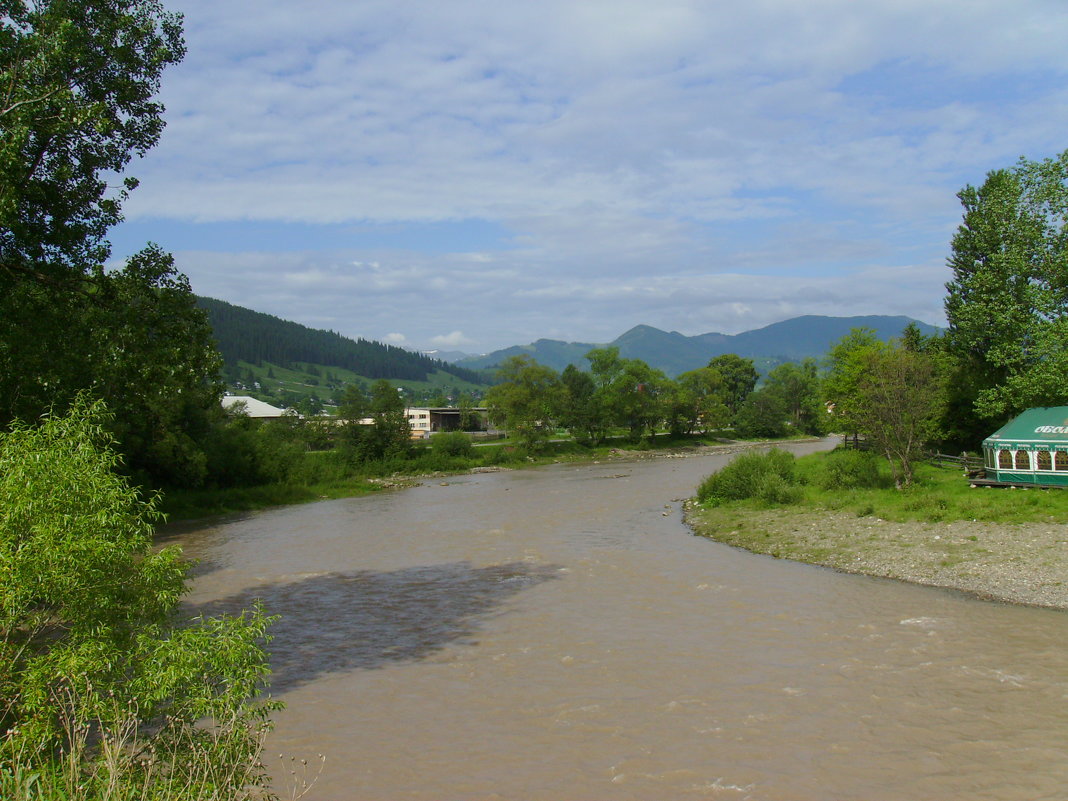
column 323, row 385
column 284, row 362
column 550, row 352
column 246, row 335
column 671, row 352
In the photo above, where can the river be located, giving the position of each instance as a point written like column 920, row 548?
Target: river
column 558, row 633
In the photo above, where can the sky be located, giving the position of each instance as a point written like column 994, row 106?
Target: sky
column 472, row 175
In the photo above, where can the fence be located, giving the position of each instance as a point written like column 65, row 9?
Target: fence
column 970, row 464
column 964, row 461
column 855, row 442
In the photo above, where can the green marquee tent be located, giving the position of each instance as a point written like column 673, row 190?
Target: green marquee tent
column 1030, row 449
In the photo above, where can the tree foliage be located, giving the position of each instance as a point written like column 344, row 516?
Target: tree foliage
column 1007, row 303
column 527, row 399
column 251, row 336
column 77, row 87
column 893, row 396
column 698, row 401
column 899, row 406
column 847, row 364
column 628, row 392
column 135, row 339
column 105, row 691
column 387, row 435
column 799, row 390
column 739, row 379
column 580, row 410
column 93, row 651
column 390, row 434
column 761, row 415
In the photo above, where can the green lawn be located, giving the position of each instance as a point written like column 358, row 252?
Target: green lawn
column 939, row 494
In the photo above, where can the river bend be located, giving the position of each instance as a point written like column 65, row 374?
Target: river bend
column 559, row 634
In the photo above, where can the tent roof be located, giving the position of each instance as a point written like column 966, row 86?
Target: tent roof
column 1044, row 424
column 253, row 407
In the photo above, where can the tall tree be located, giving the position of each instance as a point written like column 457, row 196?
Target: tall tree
column 149, row 353
column 1007, row 303
column 892, row 396
column 640, row 396
column 470, row 420
column 388, row 434
column 739, row 379
column 628, row 392
column 77, row 87
column 798, row 388
column 697, row 401
column 898, row 405
column 762, row 414
column 527, row 399
column 847, row 364
column 579, row 408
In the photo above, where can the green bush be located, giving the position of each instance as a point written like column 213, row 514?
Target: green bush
column 776, row 490
column 508, row 454
column 319, row 467
column 97, row 665
column 244, row 453
column 768, row 476
column 850, row 469
column 233, row 459
column 453, row 443
column 762, row 415
column 425, row 460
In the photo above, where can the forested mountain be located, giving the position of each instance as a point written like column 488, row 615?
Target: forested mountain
column 674, row 353
column 250, row 336
column 244, row 335
column 808, row 336
column 553, row 353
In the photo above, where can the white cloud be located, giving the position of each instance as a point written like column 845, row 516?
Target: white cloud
column 395, row 339
column 532, row 303
column 689, row 165
column 451, row 340
column 443, row 112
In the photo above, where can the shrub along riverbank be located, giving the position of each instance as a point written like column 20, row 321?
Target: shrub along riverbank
column 319, row 475
column 840, row 510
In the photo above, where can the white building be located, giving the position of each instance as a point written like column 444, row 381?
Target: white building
column 426, row 420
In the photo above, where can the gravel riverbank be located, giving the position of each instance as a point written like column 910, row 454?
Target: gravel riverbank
column 1024, row 563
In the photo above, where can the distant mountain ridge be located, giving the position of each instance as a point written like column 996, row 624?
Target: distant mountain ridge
column 450, row 356
column 809, row 336
column 251, row 336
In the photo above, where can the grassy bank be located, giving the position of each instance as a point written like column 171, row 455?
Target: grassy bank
column 996, row 543
column 194, row 504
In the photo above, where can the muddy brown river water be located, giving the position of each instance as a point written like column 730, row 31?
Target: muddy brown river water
column 559, row 634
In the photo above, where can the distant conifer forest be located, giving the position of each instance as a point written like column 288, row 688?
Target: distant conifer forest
column 245, row 335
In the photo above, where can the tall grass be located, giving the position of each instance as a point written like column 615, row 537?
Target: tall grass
column 120, row 761
column 123, row 762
